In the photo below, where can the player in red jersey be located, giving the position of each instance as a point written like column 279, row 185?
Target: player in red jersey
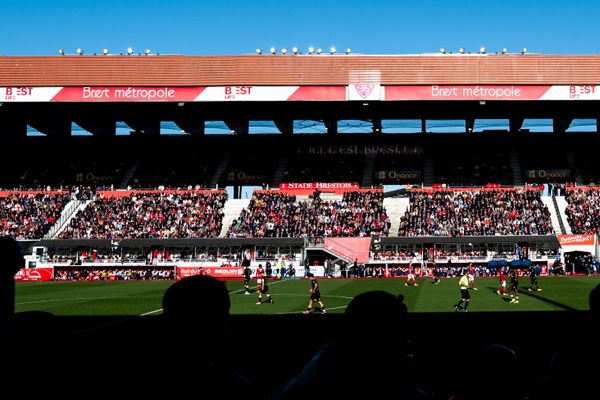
column 410, row 276
column 471, row 277
column 502, row 289
column 262, row 286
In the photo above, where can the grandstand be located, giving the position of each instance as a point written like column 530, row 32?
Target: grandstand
column 156, row 168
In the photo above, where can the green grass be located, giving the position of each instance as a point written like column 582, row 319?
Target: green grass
column 291, row 296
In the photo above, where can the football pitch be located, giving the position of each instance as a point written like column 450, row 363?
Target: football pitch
column 141, row 298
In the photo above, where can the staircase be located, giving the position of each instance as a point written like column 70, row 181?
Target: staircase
column 561, row 205
column 279, row 171
column 70, row 211
column 515, row 166
column 428, row 171
column 130, row 173
column 367, row 179
column 221, row 166
column 346, row 249
column 232, row 211
column 396, row 208
column 555, row 218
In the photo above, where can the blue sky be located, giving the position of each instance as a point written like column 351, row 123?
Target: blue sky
column 210, row 27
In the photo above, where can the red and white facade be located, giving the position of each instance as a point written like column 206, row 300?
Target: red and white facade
column 352, row 92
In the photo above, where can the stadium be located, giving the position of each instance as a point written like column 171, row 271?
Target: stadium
column 124, row 173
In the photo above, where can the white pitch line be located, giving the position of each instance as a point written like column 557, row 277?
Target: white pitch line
column 151, row 312
column 55, row 300
column 270, row 284
column 299, row 312
column 232, row 292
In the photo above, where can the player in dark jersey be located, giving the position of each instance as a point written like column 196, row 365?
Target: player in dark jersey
column 436, row 274
column 315, row 295
column 533, row 279
column 513, row 289
column 247, row 275
column 262, row 285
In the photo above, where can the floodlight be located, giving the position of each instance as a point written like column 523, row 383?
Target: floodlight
column 258, row 50
column 332, row 50
column 295, row 50
column 129, row 51
column 319, row 51
column 61, row 52
column 348, row 50
column 147, row 52
column 504, row 50
column 461, row 50
column 311, row 50
column 105, row 51
column 443, row 50
column 79, row 51
column 283, row 51
column 273, row 50
column 482, row 50
column 524, row 50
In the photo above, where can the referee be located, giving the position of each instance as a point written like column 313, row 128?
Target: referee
column 465, row 297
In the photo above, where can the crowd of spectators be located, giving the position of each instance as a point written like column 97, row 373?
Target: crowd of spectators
column 150, row 215
column 583, row 211
column 30, row 216
column 476, row 213
column 274, row 214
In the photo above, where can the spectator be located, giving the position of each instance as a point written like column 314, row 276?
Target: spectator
column 150, row 215
column 198, row 307
column 370, row 314
column 30, row 216
column 476, row 213
column 276, row 214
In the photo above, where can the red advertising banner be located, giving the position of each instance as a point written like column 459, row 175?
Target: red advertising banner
column 318, row 185
column 125, row 193
column 319, row 93
column 576, row 240
column 35, row 274
column 6, row 193
column 466, row 92
column 119, row 94
column 352, row 92
column 217, row 272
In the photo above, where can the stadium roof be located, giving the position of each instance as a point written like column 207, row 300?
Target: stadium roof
column 289, row 69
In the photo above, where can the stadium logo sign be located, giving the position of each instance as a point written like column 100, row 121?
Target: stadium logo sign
column 548, row 173
column 364, row 89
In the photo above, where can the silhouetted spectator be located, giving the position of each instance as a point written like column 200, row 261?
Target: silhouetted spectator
column 11, row 260
column 486, row 368
column 332, row 372
column 196, row 312
column 571, row 375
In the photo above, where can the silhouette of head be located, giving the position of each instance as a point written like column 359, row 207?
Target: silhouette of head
column 376, row 311
column 196, row 305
